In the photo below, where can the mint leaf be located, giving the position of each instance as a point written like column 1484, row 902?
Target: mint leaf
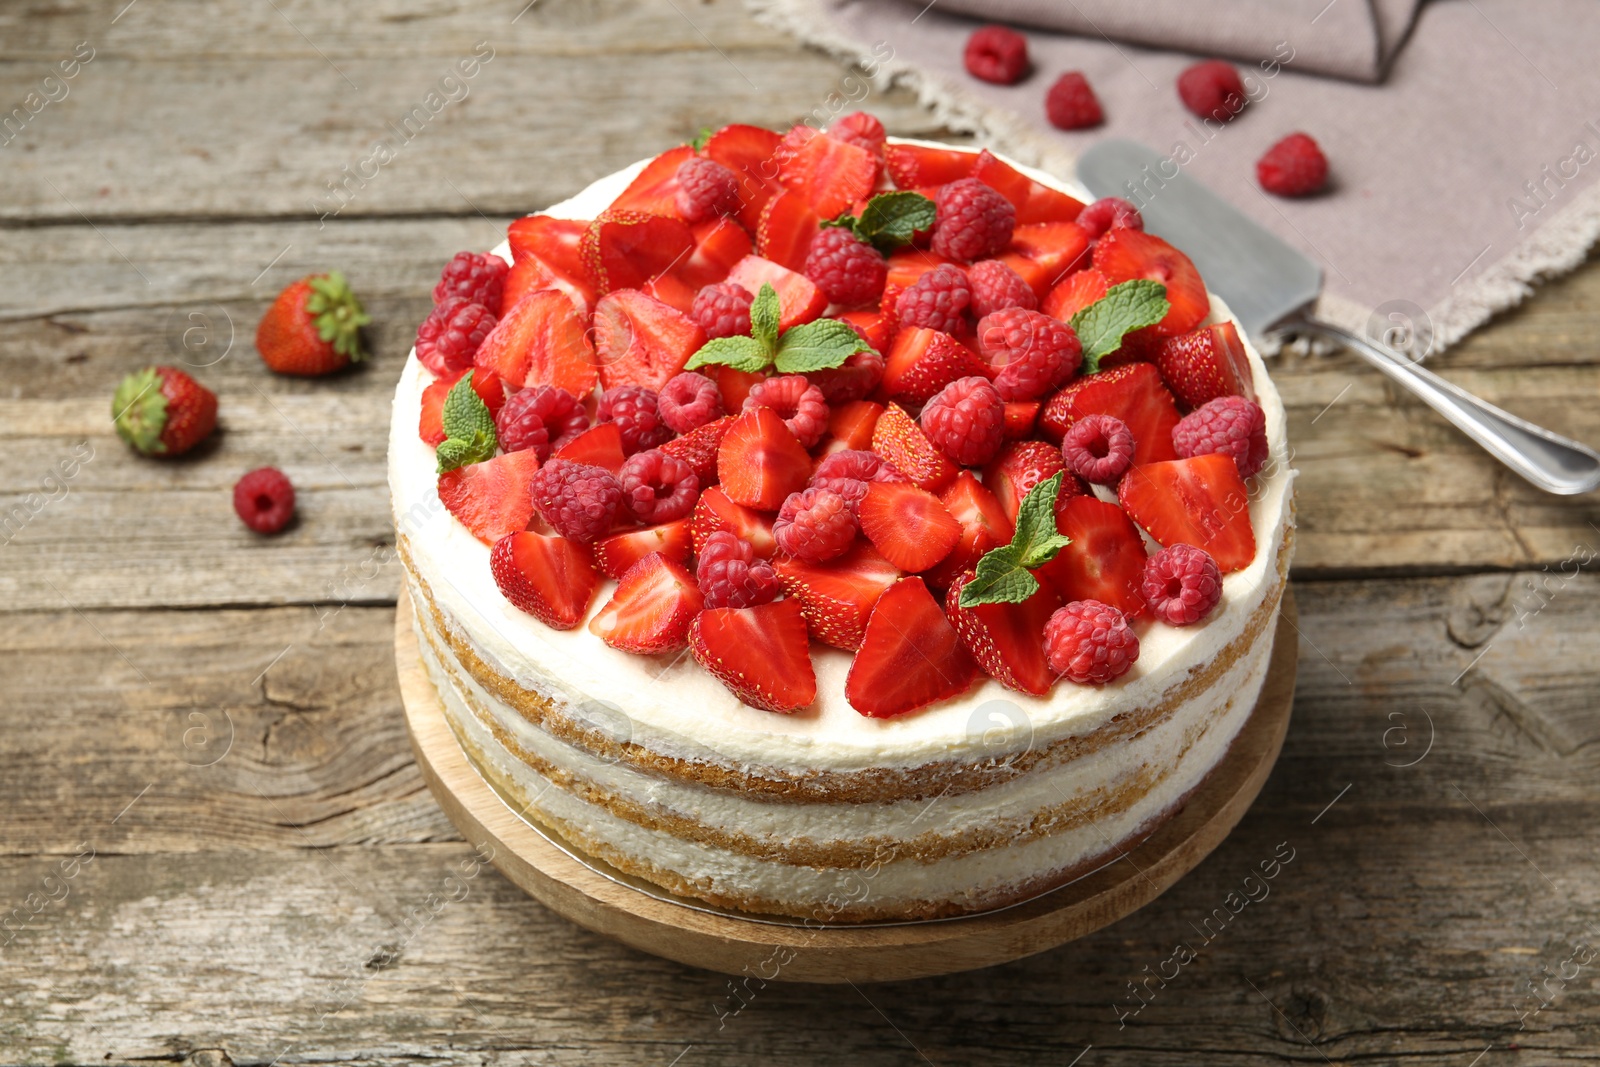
column 456, row 452
column 741, row 353
column 889, row 220
column 765, row 312
column 817, row 345
column 1126, row 307
column 465, row 413
column 699, row 142
column 1001, row 579
column 1004, row 574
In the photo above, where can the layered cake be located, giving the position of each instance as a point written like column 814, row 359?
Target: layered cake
column 839, row 528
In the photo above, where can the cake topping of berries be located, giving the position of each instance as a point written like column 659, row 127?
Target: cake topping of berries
column 577, row 499
column 995, row 287
column 1181, row 584
column 730, row 575
column 1098, row 449
column 657, row 487
column 688, row 402
column 798, row 403
column 936, row 301
column 851, row 380
column 846, row 268
column 848, row 471
column 722, row 309
column 542, row 418
column 815, row 525
column 1071, row 104
column 706, row 190
column 973, row 221
column 1204, row 364
column 476, row 277
column 1125, row 307
column 1295, row 166
column 161, row 411
column 1212, row 89
column 314, row 327
column 547, row 577
column 1090, row 643
column 966, row 421
column 452, row 334
column 813, row 345
column 996, row 54
column 1005, row 574
column 1109, row 213
column 264, row 499
column 636, row 413
column 860, row 129
column 1230, row 425
column 1030, row 352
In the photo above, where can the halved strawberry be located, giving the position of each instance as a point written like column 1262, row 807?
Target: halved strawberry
column 747, row 151
column 922, row 361
column 898, row 439
column 541, row 341
column 760, row 462
column 1133, row 393
column 672, row 291
column 1007, row 640
column 492, row 498
column 875, row 327
column 850, row 425
column 718, row 245
column 762, row 654
column 615, row 553
column 1105, row 560
column 1205, row 364
column 641, row 341
column 830, row 173
column 913, row 166
column 714, row 511
column 1055, row 247
column 910, row 655
column 529, row 276
column 1123, row 255
column 544, row 575
column 1140, row 346
column 1035, row 202
column 1020, row 418
column 1074, row 293
column 486, row 383
column 984, row 526
column 798, row 299
column 599, row 446
column 733, row 385
column 651, row 610
column 905, row 266
column 698, row 448
column 625, row 249
column 836, row 597
column 1020, row 466
column 1200, row 501
column 553, row 245
column 655, row 189
column 784, row 233
column 910, row 527
column 1037, row 277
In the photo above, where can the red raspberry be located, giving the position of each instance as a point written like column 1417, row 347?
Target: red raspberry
column 658, row 487
column 635, row 411
column 451, row 335
column 578, row 499
column 723, row 309
column 1230, row 425
column 706, row 190
column 688, row 401
column 1109, row 213
column 1071, row 104
column 966, row 420
column 997, row 54
column 1090, row 643
column 1181, row 584
column 815, row 525
column 937, row 300
column 1098, row 449
column 851, row 380
column 995, row 287
column 1212, row 90
column 541, row 417
column 847, row 269
column 972, row 221
column 477, row 277
column 860, row 129
column 1295, row 166
column 1033, row 352
column 797, row 402
column 264, row 499
column 730, row 576
column 848, row 471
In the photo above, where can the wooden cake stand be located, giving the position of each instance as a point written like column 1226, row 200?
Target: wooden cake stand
column 586, row 892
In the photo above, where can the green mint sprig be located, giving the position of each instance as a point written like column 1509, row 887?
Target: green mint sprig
column 889, row 220
column 1126, row 307
column 1005, row 573
column 468, row 427
column 811, row 346
column 701, row 139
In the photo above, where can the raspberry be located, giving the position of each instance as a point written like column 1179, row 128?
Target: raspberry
column 264, row 499
column 1230, row 425
column 1109, row 213
column 730, row 576
column 860, row 129
column 1181, row 584
column 688, row 401
column 1295, row 166
column 1090, row 643
column 541, row 417
column 706, row 190
column 451, row 334
column 997, row 54
column 797, row 402
column 966, row 420
column 848, row 471
column 657, row 487
column 815, row 525
column 847, row 269
column 937, row 300
column 995, row 286
column 1071, row 104
column 972, row 221
column 1098, row 449
column 634, row 409
column 851, row 380
column 1212, row 90
column 1033, row 352
column 477, row 277
column 722, row 310
column 578, row 499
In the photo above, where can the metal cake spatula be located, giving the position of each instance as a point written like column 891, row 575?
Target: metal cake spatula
column 1271, row 288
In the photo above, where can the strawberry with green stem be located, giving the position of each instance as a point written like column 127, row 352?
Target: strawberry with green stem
column 161, row 411
column 313, row 327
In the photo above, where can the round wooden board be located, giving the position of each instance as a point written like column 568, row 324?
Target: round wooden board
column 728, row 943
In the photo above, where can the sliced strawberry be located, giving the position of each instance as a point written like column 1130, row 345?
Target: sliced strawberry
column 733, row 385
column 1019, row 467
column 698, row 448
column 759, row 462
column 922, row 361
column 641, row 341
column 984, row 526
column 714, row 511
column 898, row 439
column 492, row 498
column 1205, row 364
column 1056, row 248
column 541, row 341
column 792, row 174
column 525, row 276
column 655, row 189
column 831, row 174
column 762, row 654
column 1074, row 293
column 651, row 610
column 910, row 655
column 1140, row 346
column 910, row 527
column 1035, row 202
column 599, row 446
column 836, row 597
column 625, row 249
column 544, row 575
column 747, row 151
column 1105, row 560
column 875, row 327
column 788, row 223
column 672, row 291
column 1123, row 255
column 1020, row 418
column 908, row 264
column 718, row 245
column 850, row 426
column 914, row 166
column 553, row 244
column 614, row 554
column 1007, row 640
column 486, row 383
column 798, row 299
column 1200, row 501
column 1133, row 393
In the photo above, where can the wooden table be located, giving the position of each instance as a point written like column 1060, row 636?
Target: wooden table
column 216, row 845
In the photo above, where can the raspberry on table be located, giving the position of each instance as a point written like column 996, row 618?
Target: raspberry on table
column 995, row 287
column 1231, row 425
column 452, row 334
column 798, row 403
column 860, row 129
column 938, row 300
column 1071, row 104
column 578, row 499
column 972, row 221
column 1182, row 584
column 730, row 576
column 722, row 309
column 848, row 472
column 540, row 417
column 847, row 269
column 477, row 277
column 1032, row 352
column 706, row 190
column 1109, row 213
column 264, row 499
column 815, row 525
column 636, row 412
column 1212, row 89
column 851, row 380
column 688, row 401
column 1098, row 449
column 1090, row 643
column 1295, row 166
column 966, row 420
column 657, row 487
column 996, row 54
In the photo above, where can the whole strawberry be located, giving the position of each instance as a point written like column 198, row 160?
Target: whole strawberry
column 161, row 411
column 313, row 328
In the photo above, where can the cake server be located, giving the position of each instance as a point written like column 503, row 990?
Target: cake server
column 1271, row 287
